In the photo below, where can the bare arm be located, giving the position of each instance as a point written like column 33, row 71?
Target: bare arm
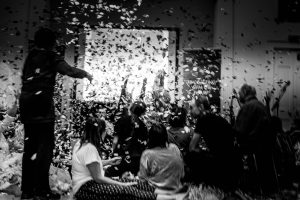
column 112, row 161
column 94, row 169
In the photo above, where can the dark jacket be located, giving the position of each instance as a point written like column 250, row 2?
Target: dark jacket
column 38, row 81
column 253, row 125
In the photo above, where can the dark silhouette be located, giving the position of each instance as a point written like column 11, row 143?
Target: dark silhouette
column 178, row 132
column 130, row 138
column 220, row 165
column 38, row 114
column 256, row 139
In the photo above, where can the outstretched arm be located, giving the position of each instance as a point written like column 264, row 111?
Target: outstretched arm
column 94, row 169
column 65, row 69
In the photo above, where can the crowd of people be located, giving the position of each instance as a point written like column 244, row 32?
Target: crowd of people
column 152, row 160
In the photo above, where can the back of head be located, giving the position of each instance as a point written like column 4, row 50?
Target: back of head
column 178, row 117
column 44, row 38
column 138, row 108
column 246, row 91
column 202, row 101
column 94, row 127
column 158, row 136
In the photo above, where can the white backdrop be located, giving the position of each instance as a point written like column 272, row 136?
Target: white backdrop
column 113, row 54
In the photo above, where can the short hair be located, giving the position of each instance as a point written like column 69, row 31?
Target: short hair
column 158, row 136
column 177, row 116
column 202, row 100
column 44, row 38
column 247, row 91
column 138, row 108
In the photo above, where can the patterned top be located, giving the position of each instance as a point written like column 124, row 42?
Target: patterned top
column 163, row 168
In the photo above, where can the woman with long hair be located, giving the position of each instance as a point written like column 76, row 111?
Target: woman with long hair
column 89, row 181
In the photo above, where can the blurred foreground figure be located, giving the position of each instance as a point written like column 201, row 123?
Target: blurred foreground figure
column 37, row 112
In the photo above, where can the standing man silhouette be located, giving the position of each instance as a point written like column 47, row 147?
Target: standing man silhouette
column 38, row 113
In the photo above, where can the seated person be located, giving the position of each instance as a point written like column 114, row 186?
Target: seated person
column 89, row 181
column 130, row 138
column 178, row 132
column 161, row 163
column 219, row 166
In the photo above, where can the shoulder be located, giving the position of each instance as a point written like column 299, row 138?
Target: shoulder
column 123, row 120
column 174, row 148
column 56, row 56
column 86, row 149
column 254, row 106
column 90, row 147
column 148, row 154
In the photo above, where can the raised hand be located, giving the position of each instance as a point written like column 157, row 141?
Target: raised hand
column 234, row 93
column 89, row 77
column 267, row 97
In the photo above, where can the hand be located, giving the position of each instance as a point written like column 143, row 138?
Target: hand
column 267, row 97
column 89, row 77
column 127, row 175
column 115, row 160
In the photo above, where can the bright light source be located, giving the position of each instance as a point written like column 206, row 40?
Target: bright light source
column 113, row 54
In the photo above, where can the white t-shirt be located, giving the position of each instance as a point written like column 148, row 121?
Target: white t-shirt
column 81, row 157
